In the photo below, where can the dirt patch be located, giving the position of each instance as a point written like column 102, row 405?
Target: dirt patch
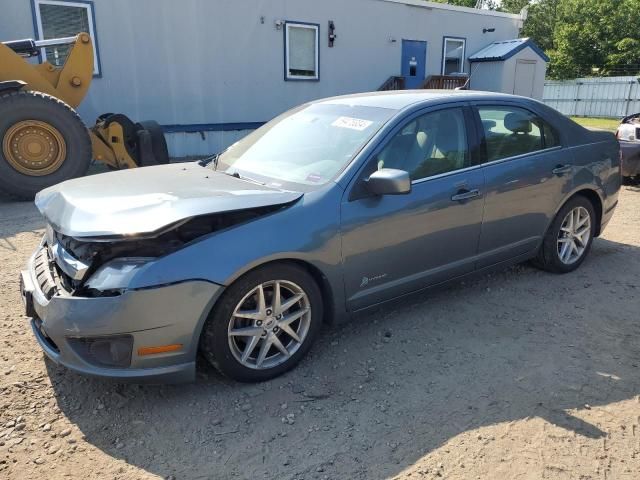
column 516, row 375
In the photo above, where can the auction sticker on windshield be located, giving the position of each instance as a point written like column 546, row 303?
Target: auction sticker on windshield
column 352, row 123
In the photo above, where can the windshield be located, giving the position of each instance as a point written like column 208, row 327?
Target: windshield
column 309, row 145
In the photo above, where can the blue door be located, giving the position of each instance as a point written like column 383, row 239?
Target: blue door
column 414, row 59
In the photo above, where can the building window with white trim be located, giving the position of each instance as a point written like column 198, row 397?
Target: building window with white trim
column 301, row 51
column 453, row 57
column 60, row 19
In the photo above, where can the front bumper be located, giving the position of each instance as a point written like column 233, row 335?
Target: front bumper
column 163, row 315
column 630, row 158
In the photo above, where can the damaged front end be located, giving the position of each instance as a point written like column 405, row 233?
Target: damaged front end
column 104, row 266
column 107, row 284
column 87, row 315
column 104, row 229
column 629, row 128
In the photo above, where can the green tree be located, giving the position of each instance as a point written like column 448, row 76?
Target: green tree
column 513, row 6
column 460, row 3
column 625, row 57
column 581, row 37
column 542, row 19
column 595, row 34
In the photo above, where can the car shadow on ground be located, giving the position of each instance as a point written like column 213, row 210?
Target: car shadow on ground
column 380, row 392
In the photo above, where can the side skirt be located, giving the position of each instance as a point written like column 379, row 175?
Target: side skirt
column 477, row 273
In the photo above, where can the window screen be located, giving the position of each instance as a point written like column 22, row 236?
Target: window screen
column 62, row 19
column 453, row 56
column 302, row 52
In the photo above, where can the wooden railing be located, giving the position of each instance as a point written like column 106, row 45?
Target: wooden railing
column 393, row 83
column 444, row 82
column 437, row 82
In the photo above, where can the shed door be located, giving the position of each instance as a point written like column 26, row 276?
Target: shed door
column 524, row 77
column 414, row 58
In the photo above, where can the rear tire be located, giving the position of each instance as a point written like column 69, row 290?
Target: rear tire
column 23, row 107
column 158, row 143
column 224, row 343
column 568, row 229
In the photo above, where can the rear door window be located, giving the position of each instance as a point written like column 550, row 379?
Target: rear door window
column 551, row 137
column 513, row 131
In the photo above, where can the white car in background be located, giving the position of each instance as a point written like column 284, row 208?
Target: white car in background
column 628, row 135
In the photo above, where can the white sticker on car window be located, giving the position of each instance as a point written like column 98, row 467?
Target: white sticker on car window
column 352, row 123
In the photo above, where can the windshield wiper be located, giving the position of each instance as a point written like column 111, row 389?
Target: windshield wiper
column 243, row 177
column 212, row 159
column 205, row 162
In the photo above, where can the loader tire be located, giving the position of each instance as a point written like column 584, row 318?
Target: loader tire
column 42, row 142
column 158, row 144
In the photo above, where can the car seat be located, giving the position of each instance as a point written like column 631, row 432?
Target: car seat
column 438, row 146
column 520, row 140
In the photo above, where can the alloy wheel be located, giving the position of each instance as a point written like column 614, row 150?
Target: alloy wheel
column 574, row 235
column 269, row 324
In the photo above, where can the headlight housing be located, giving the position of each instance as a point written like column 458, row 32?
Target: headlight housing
column 117, row 274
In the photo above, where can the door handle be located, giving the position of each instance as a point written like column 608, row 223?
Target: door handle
column 465, row 195
column 562, row 169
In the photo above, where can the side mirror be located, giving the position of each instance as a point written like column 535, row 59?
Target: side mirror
column 389, row 181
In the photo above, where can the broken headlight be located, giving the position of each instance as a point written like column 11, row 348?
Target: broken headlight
column 116, row 274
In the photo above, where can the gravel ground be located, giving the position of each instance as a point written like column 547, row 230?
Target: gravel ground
column 517, row 375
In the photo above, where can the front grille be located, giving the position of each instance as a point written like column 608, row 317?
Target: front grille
column 51, row 279
column 638, row 133
column 44, row 275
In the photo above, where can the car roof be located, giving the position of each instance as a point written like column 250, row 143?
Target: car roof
column 400, row 99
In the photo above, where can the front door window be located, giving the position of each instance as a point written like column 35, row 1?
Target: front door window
column 431, row 144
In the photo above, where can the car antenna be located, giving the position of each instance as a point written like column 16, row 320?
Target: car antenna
column 466, row 84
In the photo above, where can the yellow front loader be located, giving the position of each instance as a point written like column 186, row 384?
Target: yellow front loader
column 42, row 139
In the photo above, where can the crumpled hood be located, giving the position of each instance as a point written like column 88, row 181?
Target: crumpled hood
column 145, row 200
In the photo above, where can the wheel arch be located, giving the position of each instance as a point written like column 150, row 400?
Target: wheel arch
column 329, row 302
column 590, row 194
column 597, row 203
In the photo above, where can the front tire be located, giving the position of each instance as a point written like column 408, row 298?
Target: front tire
column 263, row 324
column 568, row 240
